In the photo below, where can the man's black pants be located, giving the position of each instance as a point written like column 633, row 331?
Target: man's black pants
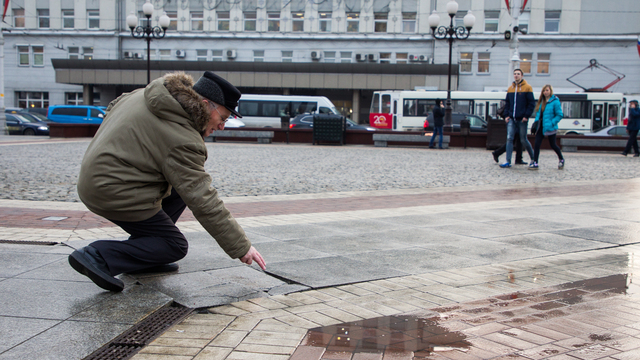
column 517, row 146
column 155, row 241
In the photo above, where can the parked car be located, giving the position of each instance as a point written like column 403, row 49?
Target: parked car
column 76, row 114
column 612, row 130
column 18, row 124
column 477, row 123
column 29, row 115
column 305, row 121
column 233, row 123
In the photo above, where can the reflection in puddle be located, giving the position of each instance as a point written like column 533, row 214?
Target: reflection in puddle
column 391, row 334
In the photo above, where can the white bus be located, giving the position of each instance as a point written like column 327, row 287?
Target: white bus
column 407, row 110
column 266, row 110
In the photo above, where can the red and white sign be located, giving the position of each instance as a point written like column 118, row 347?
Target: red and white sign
column 381, row 121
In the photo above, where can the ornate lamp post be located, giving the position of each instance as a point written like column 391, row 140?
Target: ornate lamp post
column 449, row 33
column 148, row 32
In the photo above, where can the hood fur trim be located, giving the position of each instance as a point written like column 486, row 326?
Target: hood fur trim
column 180, row 86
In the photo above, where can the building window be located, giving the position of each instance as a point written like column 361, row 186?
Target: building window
column 353, row 22
column 525, row 63
column 544, row 60
column 93, row 19
column 216, row 55
column 325, row 21
column 76, row 98
column 297, row 22
column 23, row 55
column 164, row 54
column 458, row 20
column 552, row 21
column 201, row 55
column 491, row 21
column 74, row 52
column 87, row 53
column 287, row 56
column 223, row 20
column 380, row 20
column 68, row 21
column 466, row 58
column 38, row 55
column 18, row 18
column 385, row 58
column 274, row 21
column 345, row 56
column 329, row 56
column 408, row 22
column 28, row 99
column 43, row 18
column 173, row 19
column 250, row 21
column 401, row 58
column 197, row 21
column 483, row 63
column 523, row 22
column 258, row 55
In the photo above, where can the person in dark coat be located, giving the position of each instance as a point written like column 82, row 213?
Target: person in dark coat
column 633, row 125
column 438, row 124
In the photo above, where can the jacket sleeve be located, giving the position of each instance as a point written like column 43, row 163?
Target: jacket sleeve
column 531, row 104
column 508, row 105
column 184, row 170
column 559, row 115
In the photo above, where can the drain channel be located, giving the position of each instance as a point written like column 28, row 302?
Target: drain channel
column 140, row 335
column 25, row 242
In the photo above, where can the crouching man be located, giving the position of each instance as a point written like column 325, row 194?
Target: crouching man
column 145, row 165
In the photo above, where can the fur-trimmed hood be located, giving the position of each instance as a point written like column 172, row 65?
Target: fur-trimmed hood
column 179, row 86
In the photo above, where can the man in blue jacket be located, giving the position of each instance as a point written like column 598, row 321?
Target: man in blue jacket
column 633, row 125
column 518, row 109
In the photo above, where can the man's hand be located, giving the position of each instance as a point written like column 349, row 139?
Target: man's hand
column 525, row 119
column 253, row 255
column 507, row 119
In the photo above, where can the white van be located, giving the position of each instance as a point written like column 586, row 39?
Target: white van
column 266, row 110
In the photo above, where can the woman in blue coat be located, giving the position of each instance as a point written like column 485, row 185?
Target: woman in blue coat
column 548, row 114
column 633, row 125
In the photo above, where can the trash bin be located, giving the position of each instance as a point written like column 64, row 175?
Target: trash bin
column 329, row 127
column 284, row 125
column 465, row 130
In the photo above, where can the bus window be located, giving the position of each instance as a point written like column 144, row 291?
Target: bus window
column 493, row 110
column 597, row 117
column 576, row 109
column 480, row 109
column 613, row 114
column 248, row 108
column 302, row 108
column 386, row 104
column 463, row 106
column 375, row 104
column 270, row 109
column 410, row 107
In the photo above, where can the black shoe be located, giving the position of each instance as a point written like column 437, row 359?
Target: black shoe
column 431, row 147
column 521, row 163
column 623, row 153
column 636, row 155
column 496, row 157
column 87, row 261
column 172, row 267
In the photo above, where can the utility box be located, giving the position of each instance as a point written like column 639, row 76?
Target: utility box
column 496, row 133
column 329, row 128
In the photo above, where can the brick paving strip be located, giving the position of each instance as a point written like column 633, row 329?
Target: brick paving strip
column 571, row 306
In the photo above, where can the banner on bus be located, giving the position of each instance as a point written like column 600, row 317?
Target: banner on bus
column 381, row 121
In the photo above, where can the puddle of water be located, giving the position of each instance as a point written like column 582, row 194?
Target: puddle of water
column 388, row 334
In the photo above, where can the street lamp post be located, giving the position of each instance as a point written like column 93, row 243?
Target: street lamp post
column 449, row 33
column 148, row 32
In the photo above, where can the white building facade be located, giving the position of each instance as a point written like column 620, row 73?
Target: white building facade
column 557, row 38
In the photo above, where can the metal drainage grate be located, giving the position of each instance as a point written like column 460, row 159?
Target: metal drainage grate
column 133, row 340
column 24, row 242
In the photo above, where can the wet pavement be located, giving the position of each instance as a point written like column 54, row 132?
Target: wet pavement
column 519, row 271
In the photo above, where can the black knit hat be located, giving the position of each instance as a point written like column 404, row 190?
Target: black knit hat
column 218, row 90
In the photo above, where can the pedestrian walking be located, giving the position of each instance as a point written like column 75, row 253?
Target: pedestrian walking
column 438, row 124
column 633, row 125
column 145, row 165
column 519, row 107
column 548, row 114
